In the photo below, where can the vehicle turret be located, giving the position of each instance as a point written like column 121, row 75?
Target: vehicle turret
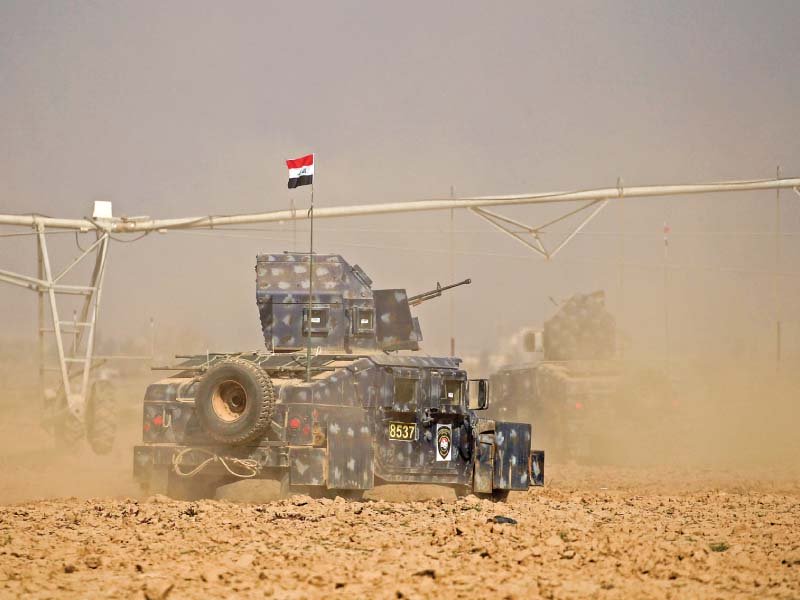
column 347, row 315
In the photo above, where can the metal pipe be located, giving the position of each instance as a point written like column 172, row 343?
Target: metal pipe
column 40, row 315
column 578, row 229
column 775, row 278
column 54, row 310
column 24, row 284
column 97, row 283
column 452, row 263
column 21, row 280
column 204, row 222
column 489, row 217
column 73, row 290
column 89, row 298
column 525, row 228
column 78, row 259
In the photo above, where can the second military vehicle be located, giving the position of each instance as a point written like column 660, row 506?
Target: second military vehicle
column 591, row 405
column 363, row 410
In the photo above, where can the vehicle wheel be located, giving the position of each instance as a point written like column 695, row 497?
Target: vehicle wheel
column 190, row 488
column 234, row 401
column 286, row 490
column 495, row 496
column 67, row 429
column 352, row 495
column 163, row 481
column 462, row 491
column 500, row 495
column 101, row 417
column 271, row 488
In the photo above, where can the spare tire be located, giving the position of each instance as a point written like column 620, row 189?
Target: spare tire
column 234, row 402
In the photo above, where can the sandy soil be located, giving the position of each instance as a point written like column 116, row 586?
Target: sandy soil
column 591, row 533
column 74, row 526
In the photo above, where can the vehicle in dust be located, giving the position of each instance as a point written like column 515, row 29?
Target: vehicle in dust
column 590, row 404
column 365, row 410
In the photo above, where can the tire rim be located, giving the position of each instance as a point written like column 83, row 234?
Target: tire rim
column 229, row 401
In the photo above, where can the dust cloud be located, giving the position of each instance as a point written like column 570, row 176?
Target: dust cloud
column 686, row 485
column 704, row 414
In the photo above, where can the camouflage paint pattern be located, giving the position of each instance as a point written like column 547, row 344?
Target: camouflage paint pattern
column 307, row 466
column 351, row 316
column 350, row 464
column 335, row 430
column 512, row 456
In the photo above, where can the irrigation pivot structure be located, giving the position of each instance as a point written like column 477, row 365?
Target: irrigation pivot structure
column 76, row 360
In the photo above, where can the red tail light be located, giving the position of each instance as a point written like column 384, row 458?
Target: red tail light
column 294, row 423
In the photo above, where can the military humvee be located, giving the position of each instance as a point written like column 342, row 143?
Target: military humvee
column 364, row 410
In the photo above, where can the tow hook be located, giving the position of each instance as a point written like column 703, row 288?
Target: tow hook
column 428, row 416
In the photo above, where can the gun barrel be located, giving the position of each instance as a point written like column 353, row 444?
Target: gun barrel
column 435, row 293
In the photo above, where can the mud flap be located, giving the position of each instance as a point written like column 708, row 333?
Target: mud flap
column 350, row 455
column 157, row 481
column 536, row 469
column 307, row 466
column 512, row 456
column 484, row 457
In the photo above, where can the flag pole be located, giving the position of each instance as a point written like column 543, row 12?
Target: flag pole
column 310, row 281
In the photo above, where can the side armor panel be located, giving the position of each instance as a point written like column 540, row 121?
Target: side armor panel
column 350, row 464
column 512, row 453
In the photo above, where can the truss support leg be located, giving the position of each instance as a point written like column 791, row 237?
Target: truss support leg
column 93, row 311
column 83, row 330
column 514, row 229
column 51, row 294
column 601, row 204
column 40, row 319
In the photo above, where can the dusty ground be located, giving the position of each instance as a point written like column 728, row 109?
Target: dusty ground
column 74, row 526
column 593, row 533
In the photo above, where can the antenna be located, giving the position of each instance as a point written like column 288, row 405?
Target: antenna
column 310, row 285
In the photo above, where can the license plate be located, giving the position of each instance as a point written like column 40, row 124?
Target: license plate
column 403, row 432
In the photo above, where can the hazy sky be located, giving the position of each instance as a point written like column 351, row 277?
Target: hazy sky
column 176, row 108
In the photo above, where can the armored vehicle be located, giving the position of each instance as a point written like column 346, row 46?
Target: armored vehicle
column 359, row 410
column 590, row 404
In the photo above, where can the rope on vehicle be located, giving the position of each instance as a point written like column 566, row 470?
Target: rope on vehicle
column 249, row 465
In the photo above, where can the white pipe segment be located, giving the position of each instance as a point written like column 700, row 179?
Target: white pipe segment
column 209, row 222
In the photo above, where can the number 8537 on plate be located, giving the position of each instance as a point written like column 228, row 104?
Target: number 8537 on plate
column 403, row 432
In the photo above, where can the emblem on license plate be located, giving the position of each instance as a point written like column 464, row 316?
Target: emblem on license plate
column 444, row 442
column 403, row 432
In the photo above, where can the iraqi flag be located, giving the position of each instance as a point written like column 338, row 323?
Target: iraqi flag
column 301, row 171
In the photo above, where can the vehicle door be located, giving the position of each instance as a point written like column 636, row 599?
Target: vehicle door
column 446, row 433
column 398, row 429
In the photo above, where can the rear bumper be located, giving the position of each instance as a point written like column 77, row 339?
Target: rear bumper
column 306, row 465
column 148, row 457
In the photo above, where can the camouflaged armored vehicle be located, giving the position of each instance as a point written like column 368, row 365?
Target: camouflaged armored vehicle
column 365, row 411
column 591, row 405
